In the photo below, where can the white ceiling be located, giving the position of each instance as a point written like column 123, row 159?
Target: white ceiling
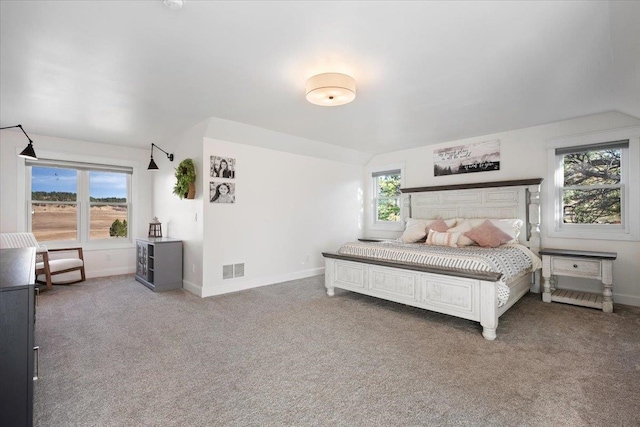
column 136, row 72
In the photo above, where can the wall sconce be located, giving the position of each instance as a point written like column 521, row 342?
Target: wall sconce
column 331, row 89
column 152, row 164
column 28, row 152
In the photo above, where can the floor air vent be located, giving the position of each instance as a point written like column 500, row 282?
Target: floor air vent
column 232, row 270
column 238, row 270
column 227, row 271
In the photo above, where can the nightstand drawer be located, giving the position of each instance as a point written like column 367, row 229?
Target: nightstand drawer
column 575, row 267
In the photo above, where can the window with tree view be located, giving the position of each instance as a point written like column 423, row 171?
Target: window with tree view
column 387, row 196
column 592, row 187
column 78, row 203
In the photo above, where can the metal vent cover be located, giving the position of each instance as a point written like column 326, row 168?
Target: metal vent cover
column 238, row 270
column 227, row 271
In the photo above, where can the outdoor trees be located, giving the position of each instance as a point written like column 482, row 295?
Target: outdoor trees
column 118, row 228
column 591, row 189
column 388, row 200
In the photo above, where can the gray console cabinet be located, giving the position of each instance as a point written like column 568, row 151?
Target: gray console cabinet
column 17, row 317
column 159, row 263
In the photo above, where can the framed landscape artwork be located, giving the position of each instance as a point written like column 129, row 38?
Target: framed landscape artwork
column 478, row 157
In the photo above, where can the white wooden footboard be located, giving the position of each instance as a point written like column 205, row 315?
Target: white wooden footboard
column 472, row 298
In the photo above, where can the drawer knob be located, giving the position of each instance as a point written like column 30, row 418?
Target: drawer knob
column 575, row 265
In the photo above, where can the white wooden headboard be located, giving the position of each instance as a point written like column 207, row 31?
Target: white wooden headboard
column 500, row 199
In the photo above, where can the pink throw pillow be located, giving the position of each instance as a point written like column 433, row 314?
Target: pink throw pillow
column 488, row 235
column 437, row 225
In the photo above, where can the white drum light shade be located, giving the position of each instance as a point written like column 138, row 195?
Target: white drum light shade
column 331, row 89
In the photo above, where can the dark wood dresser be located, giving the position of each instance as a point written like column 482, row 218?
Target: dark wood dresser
column 17, row 350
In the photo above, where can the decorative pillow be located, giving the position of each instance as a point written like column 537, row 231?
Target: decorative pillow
column 416, row 230
column 462, row 227
column 436, row 238
column 509, row 226
column 488, row 235
column 437, row 225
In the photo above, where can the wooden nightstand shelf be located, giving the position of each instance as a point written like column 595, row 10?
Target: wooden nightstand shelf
column 585, row 264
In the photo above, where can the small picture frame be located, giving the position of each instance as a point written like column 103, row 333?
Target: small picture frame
column 223, row 167
column 222, row 192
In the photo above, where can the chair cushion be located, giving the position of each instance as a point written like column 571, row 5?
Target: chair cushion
column 61, row 264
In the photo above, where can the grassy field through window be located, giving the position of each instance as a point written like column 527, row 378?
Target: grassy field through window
column 59, row 222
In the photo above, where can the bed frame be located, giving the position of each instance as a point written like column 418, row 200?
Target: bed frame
column 469, row 295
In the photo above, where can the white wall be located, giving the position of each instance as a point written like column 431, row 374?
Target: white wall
column 523, row 154
column 182, row 218
column 100, row 260
column 289, row 208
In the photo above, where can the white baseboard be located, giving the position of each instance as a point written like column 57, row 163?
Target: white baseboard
column 109, row 272
column 626, row 300
column 263, row 281
column 192, row 287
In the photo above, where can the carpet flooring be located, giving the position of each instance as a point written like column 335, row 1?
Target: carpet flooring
column 114, row 353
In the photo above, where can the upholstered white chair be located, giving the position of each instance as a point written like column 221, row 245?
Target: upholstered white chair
column 60, row 271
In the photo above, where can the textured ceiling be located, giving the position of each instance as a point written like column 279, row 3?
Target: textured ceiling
column 135, row 72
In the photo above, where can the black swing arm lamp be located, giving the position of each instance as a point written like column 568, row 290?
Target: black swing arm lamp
column 152, row 163
column 28, row 152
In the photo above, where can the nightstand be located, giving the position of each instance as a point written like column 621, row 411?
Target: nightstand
column 584, row 264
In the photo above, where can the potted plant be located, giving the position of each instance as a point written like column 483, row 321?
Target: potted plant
column 185, row 187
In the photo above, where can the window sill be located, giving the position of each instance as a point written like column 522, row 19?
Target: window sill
column 592, row 235
column 396, row 226
column 91, row 246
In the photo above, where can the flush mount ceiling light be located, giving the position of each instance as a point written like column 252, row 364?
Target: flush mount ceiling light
column 28, row 152
column 174, row 4
column 331, row 89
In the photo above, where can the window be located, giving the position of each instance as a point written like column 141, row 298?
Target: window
column 79, row 202
column 386, row 197
column 592, row 186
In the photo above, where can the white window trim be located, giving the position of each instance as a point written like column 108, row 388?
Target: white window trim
column 96, row 244
column 630, row 197
column 383, row 225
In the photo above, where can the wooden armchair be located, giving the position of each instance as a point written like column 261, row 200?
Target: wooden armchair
column 61, row 271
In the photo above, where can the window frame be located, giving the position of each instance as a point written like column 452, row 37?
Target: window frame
column 373, row 174
column 629, row 229
column 83, row 201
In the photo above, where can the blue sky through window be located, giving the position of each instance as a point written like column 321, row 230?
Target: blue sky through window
column 102, row 184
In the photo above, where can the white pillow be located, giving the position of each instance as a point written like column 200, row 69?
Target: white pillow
column 416, row 229
column 462, row 227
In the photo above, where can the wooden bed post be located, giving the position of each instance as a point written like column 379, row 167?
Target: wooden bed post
column 534, row 230
column 488, row 309
column 328, row 276
column 534, row 218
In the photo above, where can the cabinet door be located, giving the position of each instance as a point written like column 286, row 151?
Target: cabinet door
column 142, row 265
column 15, row 343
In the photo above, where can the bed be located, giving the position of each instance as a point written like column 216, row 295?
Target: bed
column 465, row 282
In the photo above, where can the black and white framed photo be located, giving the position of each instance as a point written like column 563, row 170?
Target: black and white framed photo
column 223, row 167
column 478, row 157
column 222, row 192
